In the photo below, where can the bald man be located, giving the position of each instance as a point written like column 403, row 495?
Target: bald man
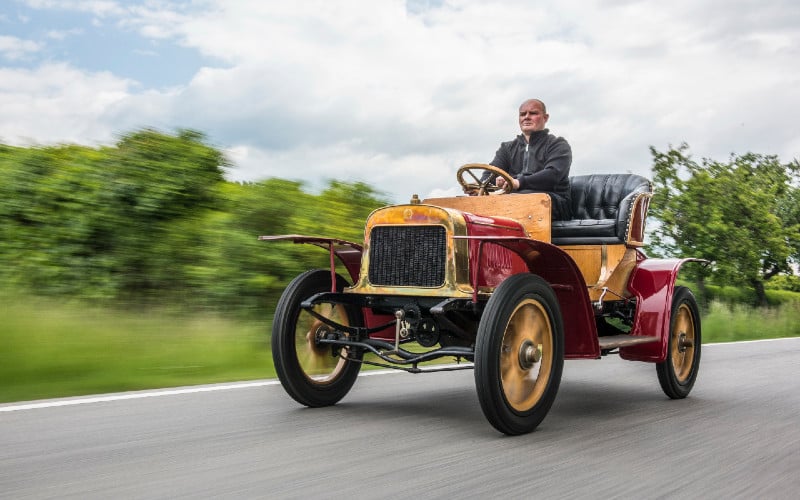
column 537, row 160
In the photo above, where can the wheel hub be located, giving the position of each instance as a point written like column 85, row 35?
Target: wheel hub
column 684, row 342
column 319, row 333
column 529, row 355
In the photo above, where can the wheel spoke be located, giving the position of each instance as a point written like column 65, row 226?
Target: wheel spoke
column 512, row 383
column 474, row 177
column 317, row 361
column 525, row 323
column 506, row 362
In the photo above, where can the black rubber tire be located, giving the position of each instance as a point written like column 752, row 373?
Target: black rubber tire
column 291, row 323
column 677, row 374
column 505, row 333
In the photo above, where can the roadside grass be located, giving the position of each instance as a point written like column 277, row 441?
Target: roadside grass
column 54, row 350
column 50, row 350
column 729, row 323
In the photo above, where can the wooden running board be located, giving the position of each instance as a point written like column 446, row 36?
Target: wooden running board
column 614, row 341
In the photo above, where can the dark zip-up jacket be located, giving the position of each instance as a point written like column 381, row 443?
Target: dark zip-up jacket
column 540, row 166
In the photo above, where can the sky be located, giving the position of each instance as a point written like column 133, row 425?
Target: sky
column 399, row 94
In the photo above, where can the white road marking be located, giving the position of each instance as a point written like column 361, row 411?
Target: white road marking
column 135, row 395
column 751, row 341
column 226, row 387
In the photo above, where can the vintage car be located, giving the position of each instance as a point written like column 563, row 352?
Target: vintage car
column 492, row 284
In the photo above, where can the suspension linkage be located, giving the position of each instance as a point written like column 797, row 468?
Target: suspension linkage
column 381, row 349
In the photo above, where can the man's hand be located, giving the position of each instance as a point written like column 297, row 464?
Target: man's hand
column 501, row 183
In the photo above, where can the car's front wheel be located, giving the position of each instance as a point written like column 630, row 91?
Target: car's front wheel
column 519, row 354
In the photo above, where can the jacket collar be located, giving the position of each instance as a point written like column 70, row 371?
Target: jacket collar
column 535, row 137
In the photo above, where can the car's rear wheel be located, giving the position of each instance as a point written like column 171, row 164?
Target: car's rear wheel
column 519, row 354
column 313, row 374
column 678, row 372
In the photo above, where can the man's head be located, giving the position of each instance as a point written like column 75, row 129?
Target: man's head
column 532, row 116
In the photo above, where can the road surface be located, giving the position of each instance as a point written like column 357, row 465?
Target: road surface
column 611, row 434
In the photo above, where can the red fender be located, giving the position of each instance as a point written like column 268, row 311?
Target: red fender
column 652, row 283
column 557, row 268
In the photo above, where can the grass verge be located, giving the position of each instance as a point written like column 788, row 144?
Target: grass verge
column 730, row 323
column 51, row 350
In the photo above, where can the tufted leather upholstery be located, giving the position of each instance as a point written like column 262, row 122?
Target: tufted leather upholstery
column 601, row 206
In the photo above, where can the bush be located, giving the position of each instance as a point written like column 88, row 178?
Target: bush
column 784, row 282
column 726, row 322
column 739, row 296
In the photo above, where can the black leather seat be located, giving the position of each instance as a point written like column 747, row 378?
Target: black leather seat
column 601, row 209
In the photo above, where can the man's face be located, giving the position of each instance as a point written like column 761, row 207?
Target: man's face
column 532, row 117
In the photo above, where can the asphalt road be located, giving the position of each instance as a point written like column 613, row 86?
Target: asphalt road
column 611, row 434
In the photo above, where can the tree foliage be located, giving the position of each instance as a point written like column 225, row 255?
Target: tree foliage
column 741, row 215
column 152, row 220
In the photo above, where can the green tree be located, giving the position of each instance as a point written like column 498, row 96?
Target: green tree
column 78, row 221
column 736, row 214
column 277, row 206
column 151, row 220
column 49, row 199
column 153, row 182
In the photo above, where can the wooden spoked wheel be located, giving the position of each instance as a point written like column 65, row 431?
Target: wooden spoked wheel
column 313, row 373
column 317, row 361
column 519, row 354
column 677, row 373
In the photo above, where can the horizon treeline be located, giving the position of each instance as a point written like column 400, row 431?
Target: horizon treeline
column 151, row 221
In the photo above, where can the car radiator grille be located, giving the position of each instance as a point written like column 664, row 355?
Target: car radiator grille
column 407, row 256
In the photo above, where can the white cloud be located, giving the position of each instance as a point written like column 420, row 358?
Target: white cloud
column 13, row 48
column 63, row 34
column 100, row 8
column 57, row 103
column 400, row 98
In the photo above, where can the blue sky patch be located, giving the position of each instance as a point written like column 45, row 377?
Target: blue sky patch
column 96, row 44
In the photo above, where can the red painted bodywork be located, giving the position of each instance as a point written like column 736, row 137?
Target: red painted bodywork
column 563, row 275
column 496, row 263
column 502, row 249
column 652, row 283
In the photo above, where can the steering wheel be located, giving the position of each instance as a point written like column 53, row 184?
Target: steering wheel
column 483, row 188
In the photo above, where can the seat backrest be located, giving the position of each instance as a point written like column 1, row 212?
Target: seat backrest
column 606, row 209
column 599, row 196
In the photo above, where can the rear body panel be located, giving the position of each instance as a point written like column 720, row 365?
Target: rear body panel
column 652, row 283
